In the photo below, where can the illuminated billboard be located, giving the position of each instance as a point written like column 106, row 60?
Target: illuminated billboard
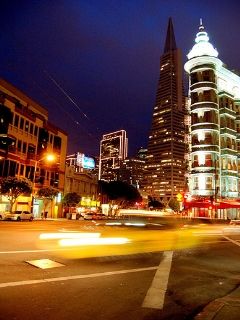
column 85, row 162
column 88, row 163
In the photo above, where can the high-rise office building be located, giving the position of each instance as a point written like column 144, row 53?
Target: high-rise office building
column 166, row 163
column 215, row 129
column 113, row 150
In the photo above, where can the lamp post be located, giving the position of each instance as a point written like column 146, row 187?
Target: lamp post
column 47, row 157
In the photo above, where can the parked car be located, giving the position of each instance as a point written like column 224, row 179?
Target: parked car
column 89, row 216
column 99, row 216
column 18, row 215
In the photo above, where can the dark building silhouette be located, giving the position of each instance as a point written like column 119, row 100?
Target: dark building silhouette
column 165, row 163
column 132, row 169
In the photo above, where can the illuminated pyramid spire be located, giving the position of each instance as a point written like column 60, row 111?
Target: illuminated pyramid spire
column 170, row 42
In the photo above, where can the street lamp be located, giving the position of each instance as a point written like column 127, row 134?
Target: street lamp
column 47, row 157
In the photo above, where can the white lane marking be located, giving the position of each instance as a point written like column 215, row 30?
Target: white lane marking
column 80, row 276
column 231, row 240
column 156, row 293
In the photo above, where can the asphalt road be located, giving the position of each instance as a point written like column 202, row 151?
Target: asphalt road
column 115, row 271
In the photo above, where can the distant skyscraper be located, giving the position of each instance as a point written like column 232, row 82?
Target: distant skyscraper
column 165, row 166
column 113, row 150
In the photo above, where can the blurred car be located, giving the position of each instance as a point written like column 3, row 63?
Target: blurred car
column 2, row 215
column 88, row 216
column 235, row 222
column 99, row 216
column 18, row 215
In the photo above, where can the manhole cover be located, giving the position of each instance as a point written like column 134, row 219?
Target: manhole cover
column 45, row 263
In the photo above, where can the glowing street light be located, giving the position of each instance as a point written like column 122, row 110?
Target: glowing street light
column 49, row 157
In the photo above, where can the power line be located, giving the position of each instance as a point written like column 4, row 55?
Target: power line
column 66, row 94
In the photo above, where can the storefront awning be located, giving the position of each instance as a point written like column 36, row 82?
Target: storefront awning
column 223, row 204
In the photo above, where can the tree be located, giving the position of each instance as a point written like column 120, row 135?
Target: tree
column 120, row 192
column 13, row 187
column 174, row 204
column 47, row 194
column 155, row 203
column 71, row 199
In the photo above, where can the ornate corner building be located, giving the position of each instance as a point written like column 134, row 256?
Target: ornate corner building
column 215, row 126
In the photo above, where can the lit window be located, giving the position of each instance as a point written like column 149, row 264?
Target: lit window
column 201, row 135
column 201, row 159
column 201, row 182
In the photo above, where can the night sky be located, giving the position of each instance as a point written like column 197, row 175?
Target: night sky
column 95, row 64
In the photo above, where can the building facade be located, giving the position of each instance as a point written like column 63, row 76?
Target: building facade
column 84, row 184
column 132, row 169
column 215, row 127
column 113, row 150
column 166, row 162
column 26, row 138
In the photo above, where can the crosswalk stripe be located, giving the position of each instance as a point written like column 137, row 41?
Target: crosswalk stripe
column 156, row 293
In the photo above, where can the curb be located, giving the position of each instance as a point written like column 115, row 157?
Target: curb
column 213, row 309
column 210, row 310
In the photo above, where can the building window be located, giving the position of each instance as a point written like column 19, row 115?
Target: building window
column 206, row 75
column 209, row 185
column 21, row 123
column 208, row 160
column 16, row 120
column 221, row 102
column 26, row 126
column 237, row 109
column 31, row 149
column 19, row 145
column 194, row 77
column 195, row 183
column 36, row 131
column 24, row 149
column 21, row 170
column 194, row 97
column 210, row 95
column 31, row 128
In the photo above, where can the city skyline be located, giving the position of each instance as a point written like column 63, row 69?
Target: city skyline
column 95, row 66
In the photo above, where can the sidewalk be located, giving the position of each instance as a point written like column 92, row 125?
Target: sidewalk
column 226, row 308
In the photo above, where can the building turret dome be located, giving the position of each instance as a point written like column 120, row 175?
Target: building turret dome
column 202, row 46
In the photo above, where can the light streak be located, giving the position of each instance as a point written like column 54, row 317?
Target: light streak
column 92, row 241
column 48, row 236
